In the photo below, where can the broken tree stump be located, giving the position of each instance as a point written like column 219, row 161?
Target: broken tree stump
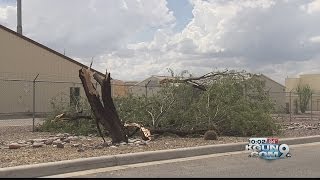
column 105, row 113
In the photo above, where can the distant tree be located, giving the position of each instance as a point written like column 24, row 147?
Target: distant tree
column 304, row 93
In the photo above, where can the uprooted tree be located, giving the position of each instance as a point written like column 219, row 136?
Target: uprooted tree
column 229, row 102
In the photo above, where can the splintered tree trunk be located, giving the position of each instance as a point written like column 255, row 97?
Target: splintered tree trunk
column 105, row 113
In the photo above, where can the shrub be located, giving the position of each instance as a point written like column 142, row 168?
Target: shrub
column 210, row 135
column 230, row 106
column 78, row 126
column 304, row 93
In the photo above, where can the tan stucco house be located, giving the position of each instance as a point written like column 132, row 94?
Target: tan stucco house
column 21, row 60
column 147, row 87
column 276, row 92
column 313, row 80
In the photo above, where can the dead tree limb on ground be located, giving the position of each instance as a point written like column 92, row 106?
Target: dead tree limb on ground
column 181, row 133
column 145, row 133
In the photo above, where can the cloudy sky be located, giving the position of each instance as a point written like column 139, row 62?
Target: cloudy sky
column 138, row 38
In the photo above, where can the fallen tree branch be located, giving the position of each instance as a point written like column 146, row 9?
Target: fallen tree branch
column 181, row 133
column 199, row 85
column 145, row 133
column 64, row 117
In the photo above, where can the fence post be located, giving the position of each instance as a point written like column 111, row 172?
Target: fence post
column 311, row 106
column 146, row 86
column 290, row 104
column 34, row 101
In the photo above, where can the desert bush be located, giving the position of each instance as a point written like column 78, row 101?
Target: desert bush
column 231, row 106
column 238, row 108
column 304, row 93
column 210, row 135
column 80, row 126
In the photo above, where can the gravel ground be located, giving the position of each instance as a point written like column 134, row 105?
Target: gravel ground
column 48, row 153
column 299, row 126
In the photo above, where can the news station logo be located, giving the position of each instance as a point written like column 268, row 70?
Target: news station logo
column 267, row 148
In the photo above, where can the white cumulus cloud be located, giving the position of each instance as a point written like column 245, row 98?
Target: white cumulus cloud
column 279, row 38
column 312, row 7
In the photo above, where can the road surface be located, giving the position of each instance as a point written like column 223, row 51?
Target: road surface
column 19, row 122
column 305, row 162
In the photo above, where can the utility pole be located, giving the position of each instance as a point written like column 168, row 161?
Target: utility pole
column 19, row 17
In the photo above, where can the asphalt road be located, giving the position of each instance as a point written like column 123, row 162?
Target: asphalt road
column 305, row 162
column 19, row 122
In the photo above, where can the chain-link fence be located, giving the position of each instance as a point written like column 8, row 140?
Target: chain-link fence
column 296, row 107
column 26, row 102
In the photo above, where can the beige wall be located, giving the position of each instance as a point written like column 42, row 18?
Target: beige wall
column 291, row 83
column 119, row 88
column 313, row 80
column 276, row 92
column 139, row 89
column 21, row 59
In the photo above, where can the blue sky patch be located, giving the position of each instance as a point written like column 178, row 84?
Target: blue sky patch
column 182, row 10
column 7, row 2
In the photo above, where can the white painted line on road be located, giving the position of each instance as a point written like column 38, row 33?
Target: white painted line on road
column 115, row 168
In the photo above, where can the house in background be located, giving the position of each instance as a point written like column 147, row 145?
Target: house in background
column 313, row 80
column 276, row 92
column 22, row 59
column 147, row 87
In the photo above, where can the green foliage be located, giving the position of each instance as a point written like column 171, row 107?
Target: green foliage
column 231, row 106
column 304, row 93
column 78, row 127
column 61, row 104
column 132, row 108
column 236, row 107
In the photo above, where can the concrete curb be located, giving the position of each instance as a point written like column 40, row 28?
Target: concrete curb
column 60, row 167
